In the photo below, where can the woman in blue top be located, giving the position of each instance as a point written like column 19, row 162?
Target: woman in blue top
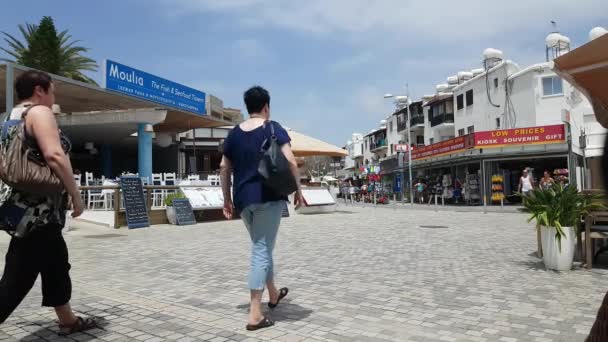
column 259, row 207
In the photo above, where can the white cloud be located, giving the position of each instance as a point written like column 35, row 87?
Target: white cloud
column 251, row 50
column 351, row 62
column 369, row 100
column 443, row 21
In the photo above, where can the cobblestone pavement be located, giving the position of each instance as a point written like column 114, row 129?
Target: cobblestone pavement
column 361, row 274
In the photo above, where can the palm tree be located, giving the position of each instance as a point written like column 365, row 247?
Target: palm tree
column 44, row 49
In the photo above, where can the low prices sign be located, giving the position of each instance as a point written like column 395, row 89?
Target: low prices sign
column 521, row 136
column 440, row 148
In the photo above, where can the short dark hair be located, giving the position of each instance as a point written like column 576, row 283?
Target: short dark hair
column 27, row 82
column 256, row 98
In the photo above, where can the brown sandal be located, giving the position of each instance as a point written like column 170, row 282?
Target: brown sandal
column 81, row 324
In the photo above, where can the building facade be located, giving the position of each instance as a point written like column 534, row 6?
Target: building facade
column 488, row 124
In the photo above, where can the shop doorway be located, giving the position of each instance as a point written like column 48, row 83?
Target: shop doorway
column 502, row 176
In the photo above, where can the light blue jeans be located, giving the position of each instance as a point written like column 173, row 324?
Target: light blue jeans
column 262, row 222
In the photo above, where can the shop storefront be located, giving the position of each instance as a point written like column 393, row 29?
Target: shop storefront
column 391, row 180
column 485, row 167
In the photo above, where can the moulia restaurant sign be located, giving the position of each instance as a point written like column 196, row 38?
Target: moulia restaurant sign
column 554, row 134
column 133, row 82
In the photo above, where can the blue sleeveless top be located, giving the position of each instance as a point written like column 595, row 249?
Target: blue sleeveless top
column 243, row 150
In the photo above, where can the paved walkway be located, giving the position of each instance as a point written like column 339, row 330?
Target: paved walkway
column 362, row 274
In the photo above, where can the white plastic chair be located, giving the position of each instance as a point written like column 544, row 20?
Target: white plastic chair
column 194, row 177
column 157, row 194
column 78, row 180
column 170, row 180
column 96, row 199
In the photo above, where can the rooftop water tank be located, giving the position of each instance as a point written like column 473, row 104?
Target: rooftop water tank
column 442, row 88
column 452, row 80
column 476, row 72
column 597, row 32
column 465, row 75
column 491, row 53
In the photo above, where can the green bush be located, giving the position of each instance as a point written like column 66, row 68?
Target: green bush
column 559, row 206
column 171, row 197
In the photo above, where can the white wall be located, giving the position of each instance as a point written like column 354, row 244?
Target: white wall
column 355, row 150
column 523, row 98
column 481, row 114
column 392, row 135
column 596, row 136
column 428, row 133
column 367, row 154
column 535, row 109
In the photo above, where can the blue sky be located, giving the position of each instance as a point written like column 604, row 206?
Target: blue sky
column 327, row 63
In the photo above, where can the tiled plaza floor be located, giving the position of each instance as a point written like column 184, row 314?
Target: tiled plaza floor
column 361, row 274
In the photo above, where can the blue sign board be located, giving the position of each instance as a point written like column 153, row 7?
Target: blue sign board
column 129, row 81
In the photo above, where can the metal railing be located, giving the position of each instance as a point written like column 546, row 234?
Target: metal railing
column 443, row 118
column 417, row 120
column 377, row 145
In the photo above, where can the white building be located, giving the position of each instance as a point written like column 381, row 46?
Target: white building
column 495, row 101
column 439, row 118
column 354, row 160
column 480, row 103
column 506, row 96
column 375, row 145
column 393, row 136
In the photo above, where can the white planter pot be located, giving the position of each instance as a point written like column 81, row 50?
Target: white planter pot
column 171, row 215
column 552, row 256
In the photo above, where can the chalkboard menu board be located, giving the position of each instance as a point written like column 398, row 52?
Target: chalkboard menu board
column 135, row 202
column 183, row 212
column 285, row 212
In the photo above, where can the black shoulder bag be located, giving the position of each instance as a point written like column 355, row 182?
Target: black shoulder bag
column 274, row 167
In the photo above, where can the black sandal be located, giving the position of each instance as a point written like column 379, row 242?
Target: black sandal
column 264, row 323
column 282, row 294
column 81, row 324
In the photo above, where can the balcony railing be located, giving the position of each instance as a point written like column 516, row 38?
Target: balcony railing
column 441, row 119
column 417, row 120
column 378, row 145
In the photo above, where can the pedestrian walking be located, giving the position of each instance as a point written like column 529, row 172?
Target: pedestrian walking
column 258, row 205
column 35, row 220
column 420, row 187
column 526, row 183
column 547, row 181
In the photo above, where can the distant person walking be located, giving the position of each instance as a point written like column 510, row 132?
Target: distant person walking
column 259, row 207
column 420, row 187
column 37, row 246
column 547, row 181
column 526, row 183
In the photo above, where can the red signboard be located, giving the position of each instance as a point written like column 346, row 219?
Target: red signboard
column 440, row 148
column 521, row 136
column 401, row 148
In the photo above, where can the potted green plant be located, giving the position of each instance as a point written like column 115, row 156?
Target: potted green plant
column 557, row 212
column 170, row 210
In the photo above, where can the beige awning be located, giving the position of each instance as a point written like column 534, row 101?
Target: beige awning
column 305, row 146
column 587, row 69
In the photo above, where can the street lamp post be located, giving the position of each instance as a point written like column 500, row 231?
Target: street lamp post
column 398, row 98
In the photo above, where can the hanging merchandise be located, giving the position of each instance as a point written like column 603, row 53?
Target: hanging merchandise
column 497, row 188
column 472, row 193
